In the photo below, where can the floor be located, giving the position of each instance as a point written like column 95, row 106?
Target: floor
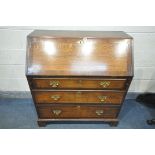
column 21, row 114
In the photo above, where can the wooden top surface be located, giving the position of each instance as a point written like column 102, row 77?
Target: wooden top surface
column 79, row 53
column 78, row 34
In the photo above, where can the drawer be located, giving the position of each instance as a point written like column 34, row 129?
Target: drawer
column 110, row 97
column 70, row 112
column 78, row 83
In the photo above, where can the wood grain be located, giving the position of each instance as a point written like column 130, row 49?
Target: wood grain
column 78, row 112
column 85, row 56
column 99, row 97
column 78, row 83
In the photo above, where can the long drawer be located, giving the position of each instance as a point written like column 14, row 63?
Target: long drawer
column 78, row 83
column 49, row 112
column 101, row 97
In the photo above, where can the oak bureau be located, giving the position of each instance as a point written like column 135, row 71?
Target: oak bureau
column 78, row 75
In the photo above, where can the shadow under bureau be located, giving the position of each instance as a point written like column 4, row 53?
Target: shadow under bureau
column 78, row 75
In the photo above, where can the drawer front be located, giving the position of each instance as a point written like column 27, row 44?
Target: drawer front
column 100, row 97
column 54, row 112
column 78, row 83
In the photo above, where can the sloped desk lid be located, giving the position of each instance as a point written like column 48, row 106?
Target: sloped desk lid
column 79, row 53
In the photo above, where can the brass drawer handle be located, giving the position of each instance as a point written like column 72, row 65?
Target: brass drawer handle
column 56, row 112
column 102, row 98
column 99, row 112
column 105, row 84
column 55, row 97
column 54, row 84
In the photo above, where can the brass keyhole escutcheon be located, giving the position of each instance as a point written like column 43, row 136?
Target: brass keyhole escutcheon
column 81, row 42
column 102, row 98
column 55, row 97
column 54, row 84
column 105, row 84
column 80, row 82
column 79, row 93
column 78, row 107
column 99, row 112
column 56, row 112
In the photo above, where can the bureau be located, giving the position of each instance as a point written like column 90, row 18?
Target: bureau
column 78, row 75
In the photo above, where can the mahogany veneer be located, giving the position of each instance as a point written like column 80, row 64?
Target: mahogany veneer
column 78, row 75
